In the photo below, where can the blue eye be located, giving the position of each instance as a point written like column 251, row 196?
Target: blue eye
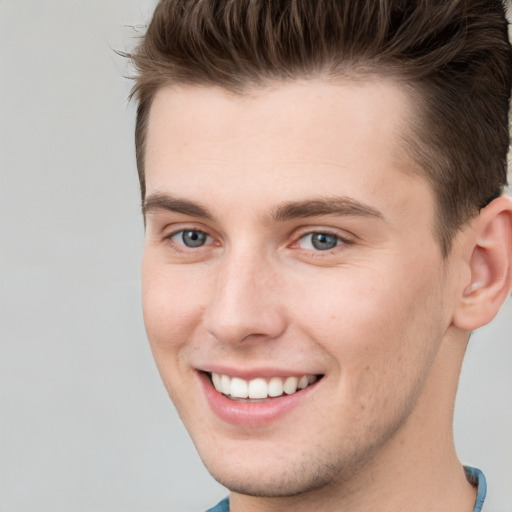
column 190, row 238
column 320, row 241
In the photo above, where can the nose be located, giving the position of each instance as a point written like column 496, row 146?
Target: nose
column 245, row 304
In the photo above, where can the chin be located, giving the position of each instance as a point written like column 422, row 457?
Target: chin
column 274, row 484
column 281, row 476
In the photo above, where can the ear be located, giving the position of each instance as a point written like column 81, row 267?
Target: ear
column 489, row 256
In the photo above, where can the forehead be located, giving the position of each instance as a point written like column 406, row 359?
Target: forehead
column 282, row 143
column 320, row 113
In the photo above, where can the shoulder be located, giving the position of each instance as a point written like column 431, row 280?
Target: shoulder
column 223, row 506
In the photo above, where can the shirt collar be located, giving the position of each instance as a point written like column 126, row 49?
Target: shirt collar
column 476, row 477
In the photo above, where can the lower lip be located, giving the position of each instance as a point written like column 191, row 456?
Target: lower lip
column 251, row 414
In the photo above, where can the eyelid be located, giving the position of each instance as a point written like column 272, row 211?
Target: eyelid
column 343, row 236
column 171, row 229
column 175, row 233
column 182, row 227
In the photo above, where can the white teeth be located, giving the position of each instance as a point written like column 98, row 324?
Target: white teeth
column 290, row 385
column 239, row 388
column 216, row 379
column 275, row 387
column 260, row 388
column 225, row 385
column 303, row 382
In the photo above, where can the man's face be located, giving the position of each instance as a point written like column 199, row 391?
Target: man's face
column 289, row 242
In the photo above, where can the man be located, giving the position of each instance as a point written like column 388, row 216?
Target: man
column 322, row 187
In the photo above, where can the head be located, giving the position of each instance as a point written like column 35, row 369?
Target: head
column 316, row 180
column 449, row 55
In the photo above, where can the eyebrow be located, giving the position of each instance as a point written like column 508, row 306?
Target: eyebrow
column 164, row 202
column 342, row 206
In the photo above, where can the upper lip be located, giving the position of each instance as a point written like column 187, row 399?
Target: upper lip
column 253, row 373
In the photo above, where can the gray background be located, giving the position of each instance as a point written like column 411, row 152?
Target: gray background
column 85, row 424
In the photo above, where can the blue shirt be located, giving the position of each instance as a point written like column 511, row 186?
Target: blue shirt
column 474, row 476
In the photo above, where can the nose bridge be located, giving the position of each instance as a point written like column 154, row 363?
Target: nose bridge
column 244, row 302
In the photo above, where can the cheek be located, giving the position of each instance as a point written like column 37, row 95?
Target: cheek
column 374, row 323
column 172, row 308
column 382, row 341
column 171, row 315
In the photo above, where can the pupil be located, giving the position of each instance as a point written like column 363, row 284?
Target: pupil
column 323, row 242
column 193, row 238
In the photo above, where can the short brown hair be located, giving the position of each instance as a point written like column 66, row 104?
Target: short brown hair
column 455, row 56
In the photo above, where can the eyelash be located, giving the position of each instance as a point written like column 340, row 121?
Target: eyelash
column 181, row 247
column 340, row 241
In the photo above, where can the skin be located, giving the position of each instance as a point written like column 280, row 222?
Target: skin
column 379, row 316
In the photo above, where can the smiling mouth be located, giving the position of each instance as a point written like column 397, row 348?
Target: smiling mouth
column 260, row 389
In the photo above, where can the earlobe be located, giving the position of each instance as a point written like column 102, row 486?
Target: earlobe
column 490, row 263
